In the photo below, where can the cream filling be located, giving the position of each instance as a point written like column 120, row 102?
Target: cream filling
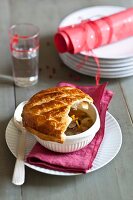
column 81, row 120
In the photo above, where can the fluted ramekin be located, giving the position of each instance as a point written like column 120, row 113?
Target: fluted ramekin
column 75, row 142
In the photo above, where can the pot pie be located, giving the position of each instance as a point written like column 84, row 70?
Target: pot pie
column 55, row 113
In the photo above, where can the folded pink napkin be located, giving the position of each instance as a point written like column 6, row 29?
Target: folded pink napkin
column 81, row 160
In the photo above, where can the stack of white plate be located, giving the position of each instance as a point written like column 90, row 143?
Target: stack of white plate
column 116, row 60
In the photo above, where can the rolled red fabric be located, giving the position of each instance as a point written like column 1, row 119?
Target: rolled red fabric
column 89, row 34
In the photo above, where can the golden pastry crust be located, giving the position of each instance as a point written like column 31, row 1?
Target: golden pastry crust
column 46, row 113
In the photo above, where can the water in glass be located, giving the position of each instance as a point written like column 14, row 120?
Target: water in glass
column 25, row 67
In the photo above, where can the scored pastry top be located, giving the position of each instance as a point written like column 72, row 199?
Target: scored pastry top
column 46, row 114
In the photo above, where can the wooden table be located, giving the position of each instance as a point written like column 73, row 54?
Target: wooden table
column 115, row 180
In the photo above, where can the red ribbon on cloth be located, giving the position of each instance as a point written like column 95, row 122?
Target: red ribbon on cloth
column 81, row 160
column 88, row 34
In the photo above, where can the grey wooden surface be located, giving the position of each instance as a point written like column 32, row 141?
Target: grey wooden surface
column 112, row 182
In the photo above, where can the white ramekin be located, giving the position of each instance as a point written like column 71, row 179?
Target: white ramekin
column 75, row 142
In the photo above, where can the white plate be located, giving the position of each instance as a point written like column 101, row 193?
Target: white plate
column 89, row 72
column 109, row 147
column 121, row 49
column 91, row 61
column 102, row 60
column 93, row 66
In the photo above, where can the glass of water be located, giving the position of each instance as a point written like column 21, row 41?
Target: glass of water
column 24, row 47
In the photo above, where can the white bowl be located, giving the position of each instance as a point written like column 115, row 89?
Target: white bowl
column 75, row 142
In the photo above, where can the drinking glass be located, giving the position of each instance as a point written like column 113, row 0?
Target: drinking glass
column 24, row 47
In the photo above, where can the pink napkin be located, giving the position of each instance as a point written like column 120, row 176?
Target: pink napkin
column 81, row 160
